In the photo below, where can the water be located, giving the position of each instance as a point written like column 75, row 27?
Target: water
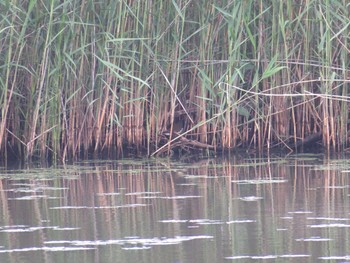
column 293, row 209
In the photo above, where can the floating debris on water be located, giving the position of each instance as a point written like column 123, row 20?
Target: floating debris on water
column 260, row 181
column 328, row 218
column 131, row 242
column 29, row 197
column 240, row 221
column 143, row 193
column 328, row 225
column 136, row 248
column 173, row 221
column 108, row 194
column 101, row 207
column 300, row 212
column 47, row 249
column 194, row 221
column 237, row 257
column 294, row 256
column 269, row 256
column 336, row 258
column 250, row 198
column 312, row 239
column 180, row 197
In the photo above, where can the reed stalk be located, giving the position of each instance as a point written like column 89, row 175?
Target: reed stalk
column 86, row 77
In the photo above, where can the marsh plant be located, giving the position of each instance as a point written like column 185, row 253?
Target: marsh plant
column 82, row 76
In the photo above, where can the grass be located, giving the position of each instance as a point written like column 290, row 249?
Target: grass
column 80, row 77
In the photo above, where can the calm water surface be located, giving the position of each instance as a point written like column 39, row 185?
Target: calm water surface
column 293, row 209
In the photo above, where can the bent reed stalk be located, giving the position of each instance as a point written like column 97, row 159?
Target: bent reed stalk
column 80, row 76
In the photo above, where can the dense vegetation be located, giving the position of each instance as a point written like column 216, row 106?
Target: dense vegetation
column 79, row 76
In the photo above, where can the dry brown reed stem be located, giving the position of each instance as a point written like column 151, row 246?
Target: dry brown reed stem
column 87, row 76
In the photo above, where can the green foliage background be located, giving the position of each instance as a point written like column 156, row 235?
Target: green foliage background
column 80, row 76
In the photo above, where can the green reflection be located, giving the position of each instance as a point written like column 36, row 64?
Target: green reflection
column 215, row 210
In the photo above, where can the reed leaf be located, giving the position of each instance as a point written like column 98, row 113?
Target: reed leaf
column 86, row 77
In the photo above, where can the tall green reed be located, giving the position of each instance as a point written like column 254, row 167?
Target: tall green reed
column 80, row 77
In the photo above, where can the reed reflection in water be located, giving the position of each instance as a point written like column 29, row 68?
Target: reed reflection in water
column 216, row 210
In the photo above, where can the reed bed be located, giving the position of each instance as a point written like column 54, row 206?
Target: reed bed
column 83, row 76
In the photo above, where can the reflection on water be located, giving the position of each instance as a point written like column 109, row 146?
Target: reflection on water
column 217, row 210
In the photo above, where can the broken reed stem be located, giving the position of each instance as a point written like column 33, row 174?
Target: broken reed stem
column 87, row 76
